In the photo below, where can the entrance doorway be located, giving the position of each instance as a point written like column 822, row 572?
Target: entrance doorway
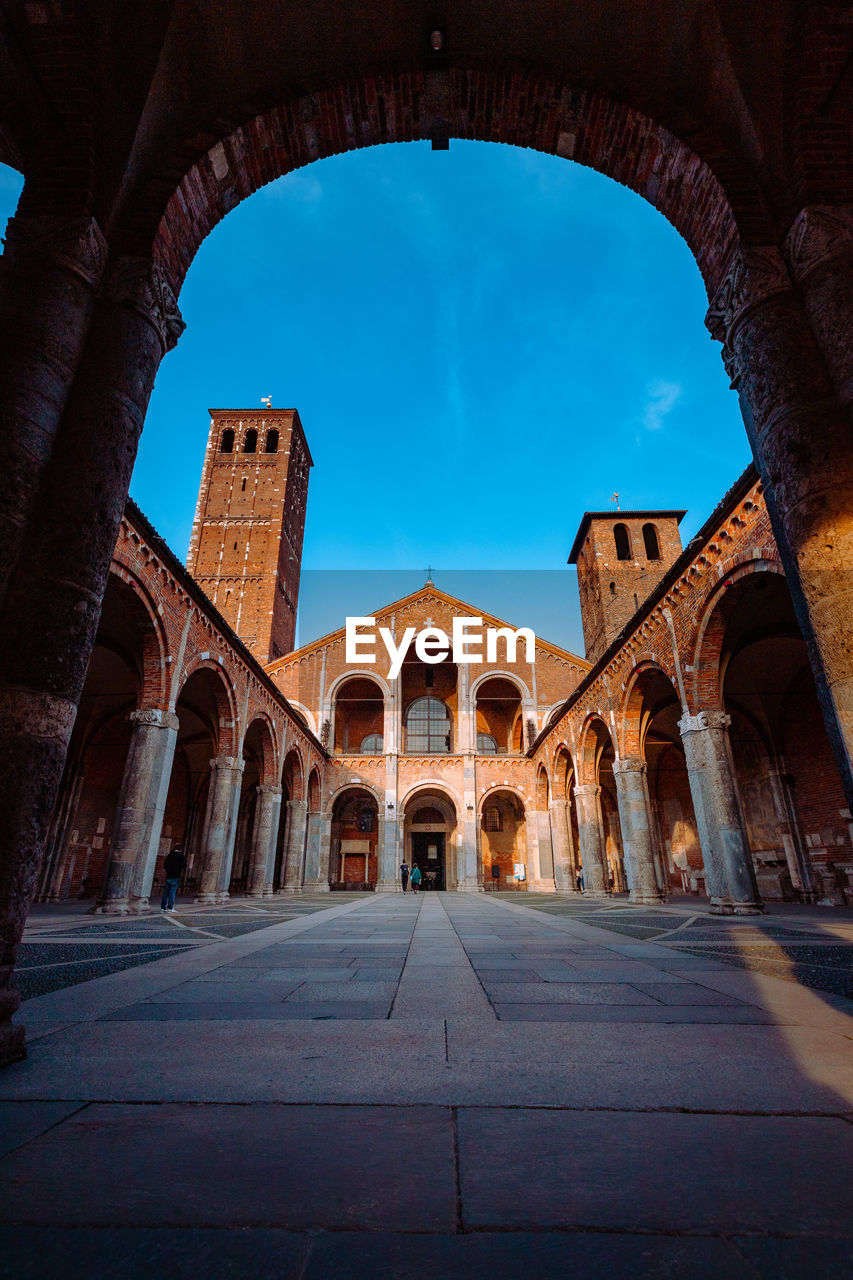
column 428, row 854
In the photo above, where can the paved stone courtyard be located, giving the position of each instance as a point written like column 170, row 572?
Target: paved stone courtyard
column 440, row 1086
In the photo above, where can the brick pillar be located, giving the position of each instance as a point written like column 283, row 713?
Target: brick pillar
column 632, row 795
column 795, row 394
column 295, row 846
column 591, row 839
column 53, row 601
column 49, row 275
column 218, row 827
column 561, row 841
column 263, row 839
column 141, row 804
column 729, row 873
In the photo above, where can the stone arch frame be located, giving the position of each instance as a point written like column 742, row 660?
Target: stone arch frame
column 542, row 112
column 270, row 759
column 526, row 800
column 430, row 784
column 704, row 690
column 226, row 701
column 525, row 701
column 334, row 796
column 296, row 787
column 524, row 692
column 590, row 748
column 155, row 642
column 330, row 699
column 631, row 729
column 302, row 710
column 542, row 777
column 563, row 748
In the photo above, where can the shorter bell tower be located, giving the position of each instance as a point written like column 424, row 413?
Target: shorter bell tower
column 246, row 545
column 621, row 557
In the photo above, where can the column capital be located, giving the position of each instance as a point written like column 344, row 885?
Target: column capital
column 228, row 762
column 630, row 764
column 140, row 284
column 819, row 233
column 268, row 789
column 756, row 275
column 713, row 719
column 154, row 717
column 587, row 789
column 77, row 244
column 297, row 804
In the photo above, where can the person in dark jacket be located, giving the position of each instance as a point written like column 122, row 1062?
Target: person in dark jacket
column 174, row 869
column 404, row 874
column 416, row 878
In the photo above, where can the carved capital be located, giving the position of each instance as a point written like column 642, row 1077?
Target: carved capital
column 714, row 719
column 77, row 244
column 755, row 275
column 140, row 284
column 269, row 790
column 586, row 789
column 629, row 764
column 228, row 762
column 154, row 716
column 819, row 233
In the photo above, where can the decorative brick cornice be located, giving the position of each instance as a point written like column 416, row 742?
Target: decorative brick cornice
column 820, row 233
column 139, row 283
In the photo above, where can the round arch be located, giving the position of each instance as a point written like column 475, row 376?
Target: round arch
column 705, row 688
column 431, row 823
column 334, row 796
column 512, row 676
column 260, row 732
column 633, row 716
column 293, row 773
column 304, row 714
column 155, row 643
column 431, row 784
column 595, row 736
column 226, row 699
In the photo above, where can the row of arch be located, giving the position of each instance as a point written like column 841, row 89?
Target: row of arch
column 622, row 541
column 250, row 441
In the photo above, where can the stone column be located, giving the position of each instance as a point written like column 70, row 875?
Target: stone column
column 591, row 838
column 531, row 834
column 295, row 846
column 139, row 819
column 263, row 836
column 632, row 794
column 468, row 880
column 53, row 601
column 316, row 864
column 49, row 276
column 225, row 866
column 561, row 840
column 795, row 394
column 218, row 826
column 729, row 873
column 547, row 882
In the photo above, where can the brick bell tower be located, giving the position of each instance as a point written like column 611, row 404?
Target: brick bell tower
column 621, row 557
column 246, row 545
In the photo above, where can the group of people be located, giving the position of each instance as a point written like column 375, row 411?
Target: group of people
column 413, row 875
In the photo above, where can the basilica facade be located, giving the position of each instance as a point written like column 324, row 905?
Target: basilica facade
column 685, row 753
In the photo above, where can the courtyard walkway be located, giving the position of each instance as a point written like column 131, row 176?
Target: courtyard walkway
column 441, row 1086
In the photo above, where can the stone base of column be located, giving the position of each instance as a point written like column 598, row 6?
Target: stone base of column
column 255, row 893
column 470, row 886
column 13, row 1044
column 222, row 898
column 292, row 891
column 387, row 886
column 208, row 899
column 598, row 894
column 139, row 907
column 720, row 907
column 111, row 907
column 645, row 899
column 316, row 886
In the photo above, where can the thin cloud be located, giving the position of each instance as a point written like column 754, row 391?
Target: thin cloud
column 663, row 397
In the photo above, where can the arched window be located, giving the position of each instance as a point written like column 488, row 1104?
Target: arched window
column 623, row 542
column 486, row 745
column 650, row 538
column 227, row 443
column 271, row 445
column 372, row 745
column 250, row 444
column 428, row 727
column 492, row 818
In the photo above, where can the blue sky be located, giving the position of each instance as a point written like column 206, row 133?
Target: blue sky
column 482, row 344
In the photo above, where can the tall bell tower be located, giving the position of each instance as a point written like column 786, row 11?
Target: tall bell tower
column 246, row 545
column 621, row 557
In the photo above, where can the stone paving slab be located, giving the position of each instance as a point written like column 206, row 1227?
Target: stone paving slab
column 239, row 1166
column 219, row 1011
column 630, row 1013
column 598, row 993
column 584, row 1169
column 20, row 1122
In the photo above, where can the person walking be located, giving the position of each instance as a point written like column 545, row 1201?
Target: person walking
column 416, row 878
column 404, row 875
column 174, row 869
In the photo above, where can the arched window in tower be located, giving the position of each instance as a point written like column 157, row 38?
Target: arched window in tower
column 250, row 444
column 428, row 727
column 226, row 444
column 650, row 538
column 623, row 542
column 271, row 445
